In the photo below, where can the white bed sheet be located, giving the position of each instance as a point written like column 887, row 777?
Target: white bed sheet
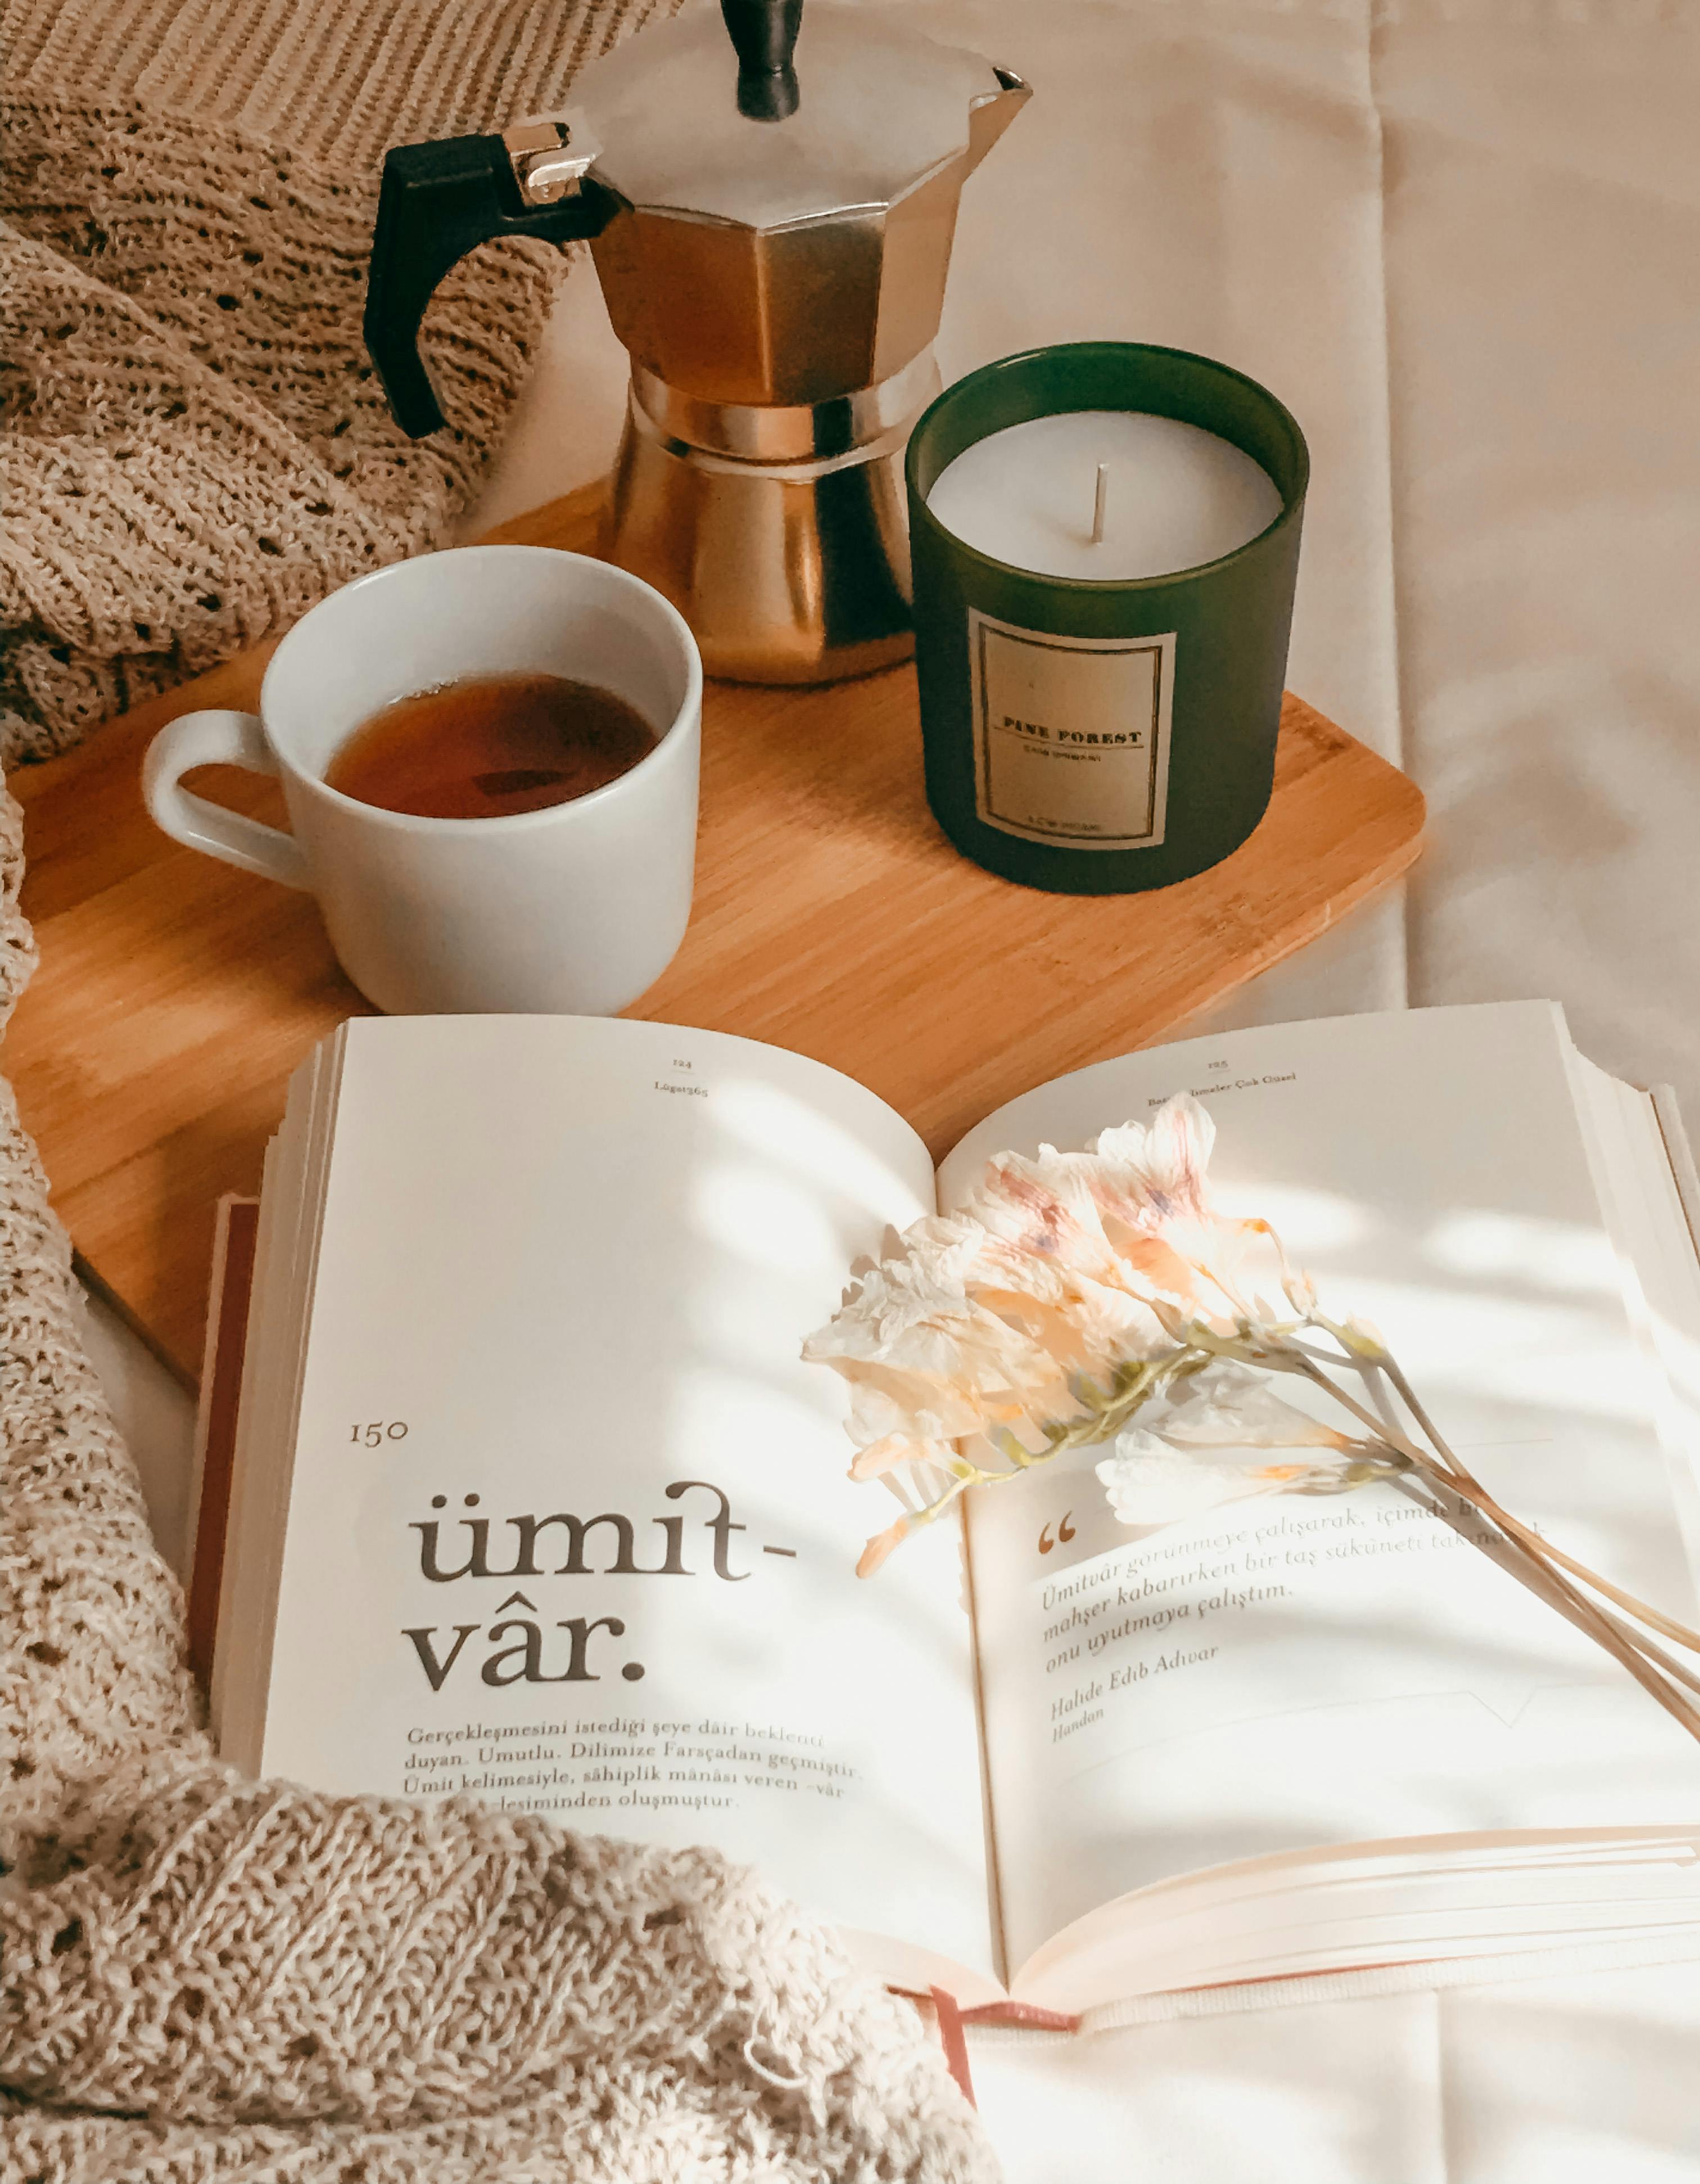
column 1462, row 239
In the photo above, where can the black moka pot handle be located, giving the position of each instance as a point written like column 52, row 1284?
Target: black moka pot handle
column 764, row 36
column 438, row 201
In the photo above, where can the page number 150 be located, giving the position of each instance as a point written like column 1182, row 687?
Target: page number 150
column 374, row 1435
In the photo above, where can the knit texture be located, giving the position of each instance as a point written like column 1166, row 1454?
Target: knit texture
column 208, row 1978
column 193, row 446
column 205, row 1979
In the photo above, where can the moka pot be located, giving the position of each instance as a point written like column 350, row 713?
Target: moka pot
column 770, row 198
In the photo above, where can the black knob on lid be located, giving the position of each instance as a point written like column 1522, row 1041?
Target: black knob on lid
column 764, row 36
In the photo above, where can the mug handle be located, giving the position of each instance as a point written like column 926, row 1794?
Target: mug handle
column 218, row 739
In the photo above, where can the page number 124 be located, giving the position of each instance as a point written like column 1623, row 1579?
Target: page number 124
column 374, row 1435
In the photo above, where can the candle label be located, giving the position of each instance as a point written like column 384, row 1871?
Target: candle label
column 1071, row 734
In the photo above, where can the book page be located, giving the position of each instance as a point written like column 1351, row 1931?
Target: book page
column 569, row 1527
column 1291, row 1672
column 1636, row 1171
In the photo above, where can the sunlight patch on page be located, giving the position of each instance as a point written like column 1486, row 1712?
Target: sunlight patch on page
column 763, row 1219
column 904, row 1825
column 779, row 1128
column 1310, row 1220
column 1468, row 1343
column 1548, row 1255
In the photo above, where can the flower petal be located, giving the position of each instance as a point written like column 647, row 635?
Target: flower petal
column 882, row 1544
column 1301, row 1291
column 1149, row 1483
column 1043, row 1208
column 1231, row 1406
column 887, row 1453
column 1158, row 1171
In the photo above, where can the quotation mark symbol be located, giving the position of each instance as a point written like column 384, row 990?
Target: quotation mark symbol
column 1065, row 1532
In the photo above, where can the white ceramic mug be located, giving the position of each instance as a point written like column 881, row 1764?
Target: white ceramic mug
column 575, row 909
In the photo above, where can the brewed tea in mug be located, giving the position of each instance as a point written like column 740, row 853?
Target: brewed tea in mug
column 490, row 745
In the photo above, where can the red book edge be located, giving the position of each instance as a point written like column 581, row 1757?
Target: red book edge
column 235, row 1234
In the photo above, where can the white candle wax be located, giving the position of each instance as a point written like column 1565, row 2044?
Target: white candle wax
column 1174, row 495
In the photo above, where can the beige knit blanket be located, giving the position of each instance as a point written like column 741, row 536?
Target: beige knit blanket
column 194, row 448
column 205, row 1979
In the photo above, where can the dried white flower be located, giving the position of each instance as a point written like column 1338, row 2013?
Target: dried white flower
column 1150, row 1483
column 1069, row 1290
column 1232, row 1405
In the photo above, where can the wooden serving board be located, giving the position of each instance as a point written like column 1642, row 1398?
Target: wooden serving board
column 175, row 994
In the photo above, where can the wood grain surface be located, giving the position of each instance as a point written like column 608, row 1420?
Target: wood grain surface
column 175, row 995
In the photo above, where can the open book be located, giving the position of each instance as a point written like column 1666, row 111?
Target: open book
column 533, row 1498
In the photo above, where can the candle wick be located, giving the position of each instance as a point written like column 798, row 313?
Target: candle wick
column 1098, row 500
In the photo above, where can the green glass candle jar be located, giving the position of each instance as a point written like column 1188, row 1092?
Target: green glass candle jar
column 1105, row 543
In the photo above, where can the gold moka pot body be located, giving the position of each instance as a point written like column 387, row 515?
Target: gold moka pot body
column 770, row 197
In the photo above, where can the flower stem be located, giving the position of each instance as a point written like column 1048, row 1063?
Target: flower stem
column 1549, row 1586
column 1528, row 1553
column 1667, row 1626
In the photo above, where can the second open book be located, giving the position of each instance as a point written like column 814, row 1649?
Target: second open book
column 535, row 1500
